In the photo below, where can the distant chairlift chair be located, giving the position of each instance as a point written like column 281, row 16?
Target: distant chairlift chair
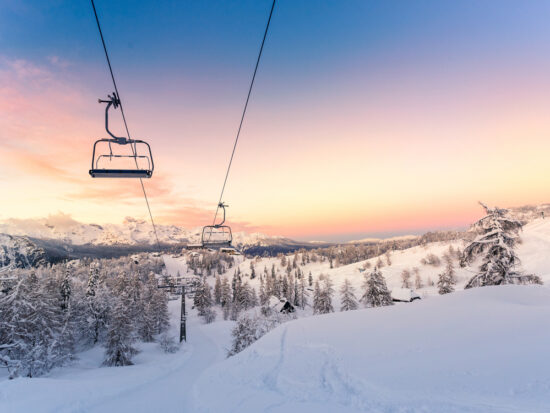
column 217, row 235
column 99, row 170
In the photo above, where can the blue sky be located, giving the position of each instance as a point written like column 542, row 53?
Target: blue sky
column 390, row 116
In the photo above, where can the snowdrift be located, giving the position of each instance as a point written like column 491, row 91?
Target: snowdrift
column 480, row 350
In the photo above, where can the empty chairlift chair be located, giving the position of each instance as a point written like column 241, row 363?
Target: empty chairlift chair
column 108, row 159
column 217, row 235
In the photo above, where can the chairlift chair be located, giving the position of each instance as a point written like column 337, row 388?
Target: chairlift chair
column 141, row 155
column 217, row 235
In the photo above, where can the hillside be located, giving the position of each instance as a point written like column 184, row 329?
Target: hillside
column 481, row 350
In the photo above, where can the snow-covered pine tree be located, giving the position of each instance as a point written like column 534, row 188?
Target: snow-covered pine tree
column 66, row 289
column 497, row 234
column 447, row 281
column 347, row 297
column 244, row 334
column 31, row 325
column 263, row 294
column 325, row 292
column 159, row 308
column 296, row 301
column 226, row 298
column 303, row 293
column 203, row 302
column 119, row 348
column 252, row 270
column 376, row 291
column 218, row 290
column 147, row 326
column 98, row 300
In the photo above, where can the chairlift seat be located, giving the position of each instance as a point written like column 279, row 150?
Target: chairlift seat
column 121, row 173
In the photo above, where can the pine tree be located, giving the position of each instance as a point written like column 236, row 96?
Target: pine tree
column 244, row 334
column 146, row 324
column 447, row 279
column 159, row 308
column 303, row 293
column 323, row 296
column 31, row 325
column 376, row 291
column 347, row 297
column 264, row 298
column 218, row 290
column 226, row 298
column 497, row 235
column 203, row 298
column 119, row 348
column 65, row 290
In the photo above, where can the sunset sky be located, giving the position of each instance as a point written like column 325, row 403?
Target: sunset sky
column 368, row 118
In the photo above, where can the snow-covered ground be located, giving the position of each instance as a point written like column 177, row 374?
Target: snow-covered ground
column 482, row 350
column 157, row 382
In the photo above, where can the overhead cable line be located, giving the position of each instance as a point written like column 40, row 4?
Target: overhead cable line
column 124, row 119
column 244, row 111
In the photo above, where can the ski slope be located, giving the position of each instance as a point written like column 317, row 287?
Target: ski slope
column 481, row 350
column 157, row 382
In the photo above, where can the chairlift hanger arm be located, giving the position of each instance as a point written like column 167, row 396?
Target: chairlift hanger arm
column 222, row 206
column 115, row 102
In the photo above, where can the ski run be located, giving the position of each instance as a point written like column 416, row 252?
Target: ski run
column 475, row 350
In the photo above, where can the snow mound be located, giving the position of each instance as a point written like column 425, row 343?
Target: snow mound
column 480, row 350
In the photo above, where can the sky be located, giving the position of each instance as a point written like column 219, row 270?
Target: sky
column 368, row 118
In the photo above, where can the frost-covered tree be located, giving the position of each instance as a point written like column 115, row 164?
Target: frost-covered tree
column 302, row 293
column 66, row 290
column 322, row 296
column 376, row 291
column 252, row 270
column 159, row 309
column 497, row 235
column 387, row 255
column 119, row 349
column 447, row 280
column 226, row 298
column 203, row 302
column 218, row 290
column 30, row 328
column 168, row 343
column 244, row 334
column 405, row 279
column 347, row 297
column 263, row 293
